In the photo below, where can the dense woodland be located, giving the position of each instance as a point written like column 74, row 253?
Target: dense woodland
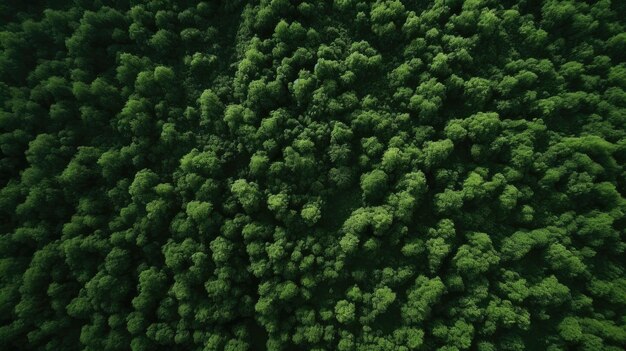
column 322, row 175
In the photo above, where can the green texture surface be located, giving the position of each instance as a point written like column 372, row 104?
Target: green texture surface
column 342, row 175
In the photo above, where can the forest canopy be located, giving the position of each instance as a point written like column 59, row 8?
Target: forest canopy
column 316, row 175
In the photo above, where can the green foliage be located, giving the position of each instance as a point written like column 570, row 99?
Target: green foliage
column 344, row 311
column 421, row 297
column 311, row 213
column 312, row 175
column 247, row 193
column 374, row 185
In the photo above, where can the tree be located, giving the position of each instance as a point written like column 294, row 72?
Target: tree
column 423, row 294
column 570, row 329
column 374, row 185
column 483, row 127
column 478, row 91
column 382, row 298
column 384, row 14
column 311, row 213
column 477, row 256
column 211, row 108
column 344, row 311
column 247, row 193
column 435, row 152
